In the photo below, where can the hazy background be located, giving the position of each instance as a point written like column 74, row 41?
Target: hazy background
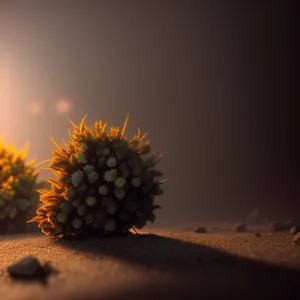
column 211, row 81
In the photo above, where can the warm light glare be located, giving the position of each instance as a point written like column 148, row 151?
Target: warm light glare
column 63, row 106
column 35, row 108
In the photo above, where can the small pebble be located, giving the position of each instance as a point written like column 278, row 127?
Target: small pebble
column 297, row 238
column 201, row 229
column 241, row 227
column 280, row 226
column 28, row 267
column 289, row 223
column 295, row 229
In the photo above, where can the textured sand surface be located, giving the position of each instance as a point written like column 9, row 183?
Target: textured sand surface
column 177, row 265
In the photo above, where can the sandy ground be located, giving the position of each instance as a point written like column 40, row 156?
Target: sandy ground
column 174, row 264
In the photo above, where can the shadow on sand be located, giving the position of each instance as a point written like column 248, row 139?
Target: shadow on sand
column 199, row 271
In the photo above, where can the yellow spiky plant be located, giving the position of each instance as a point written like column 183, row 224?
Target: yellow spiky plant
column 105, row 184
column 17, row 195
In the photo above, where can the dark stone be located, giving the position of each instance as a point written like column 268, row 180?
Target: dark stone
column 280, row 226
column 241, row 227
column 276, row 226
column 297, row 238
column 295, row 229
column 201, row 229
column 257, row 234
column 28, row 267
column 289, row 224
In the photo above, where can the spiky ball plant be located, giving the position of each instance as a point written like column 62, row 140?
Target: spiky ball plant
column 105, row 183
column 17, row 194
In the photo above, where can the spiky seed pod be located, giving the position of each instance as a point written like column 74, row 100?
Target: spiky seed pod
column 83, row 147
column 17, row 188
column 120, row 182
column 110, row 175
column 88, row 169
column 71, row 192
column 62, row 217
column 81, row 157
column 105, row 183
column 77, row 177
column 77, row 223
column 110, row 205
column 93, row 177
column 111, row 162
column 119, row 193
column 91, row 201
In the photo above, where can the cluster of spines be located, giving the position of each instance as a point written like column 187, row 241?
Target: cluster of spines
column 104, row 183
column 17, row 179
